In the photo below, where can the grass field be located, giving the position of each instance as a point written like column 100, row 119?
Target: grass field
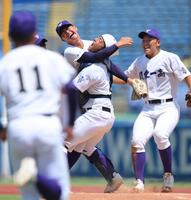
column 93, row 182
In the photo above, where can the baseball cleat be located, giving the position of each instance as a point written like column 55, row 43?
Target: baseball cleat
column 138, row 186
column 117, row 181
column 26, row 173
column 168, row 182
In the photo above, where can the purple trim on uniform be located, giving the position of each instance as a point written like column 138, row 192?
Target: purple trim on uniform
column 73, row 158
column 103, row 164
column 139, row 165
column 48, row 188
column 166, row 157
column 116, row 71
column 95, row 57
column 72, row 101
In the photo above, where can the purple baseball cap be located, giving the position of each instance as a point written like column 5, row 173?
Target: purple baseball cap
column 150, row 32
column 21, row 24
column 39, row 40
column 60, row 26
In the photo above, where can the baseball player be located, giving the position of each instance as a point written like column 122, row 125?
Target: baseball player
column 40, row 41
column 31, row 79
column 162, row 71
column 98, row 115
column 68, row 33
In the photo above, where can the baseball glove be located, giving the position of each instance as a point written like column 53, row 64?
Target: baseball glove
column 139, row 89
column 188, row 99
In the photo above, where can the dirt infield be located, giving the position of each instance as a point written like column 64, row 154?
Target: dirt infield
column 124, row 193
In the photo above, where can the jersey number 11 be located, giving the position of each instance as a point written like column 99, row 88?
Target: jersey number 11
column 36, row 72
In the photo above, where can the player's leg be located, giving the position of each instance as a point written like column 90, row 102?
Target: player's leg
column 43, row 142
column 102, row 163
column 142, row 132
column 20, row 147
column 52, row 164
column 161, row 136
column 72, row 158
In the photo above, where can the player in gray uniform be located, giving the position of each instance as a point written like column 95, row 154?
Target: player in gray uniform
column 162, row 71
column 31, row 79
column 68, row 33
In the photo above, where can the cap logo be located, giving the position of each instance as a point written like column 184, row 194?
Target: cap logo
column 60, row 24
column 148, row 30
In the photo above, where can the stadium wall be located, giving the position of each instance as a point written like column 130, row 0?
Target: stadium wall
column 116, row 144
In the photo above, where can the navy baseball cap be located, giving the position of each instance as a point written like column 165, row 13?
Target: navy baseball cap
column 61, row 25
column 150, row 32
column 21, row 24
column 39, row 40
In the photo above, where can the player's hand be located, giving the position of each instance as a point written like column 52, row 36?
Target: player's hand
column 188, row 99
column 124, row 41
column 69, row 133
column 3, row 134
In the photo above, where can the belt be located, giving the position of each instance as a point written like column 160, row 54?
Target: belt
column 48, row 114
column 159, row 101
column 103, row 108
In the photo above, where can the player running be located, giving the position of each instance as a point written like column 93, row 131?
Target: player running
column 31, row 79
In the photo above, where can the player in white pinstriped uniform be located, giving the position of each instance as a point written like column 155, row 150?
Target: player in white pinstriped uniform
column 162, row 71
column 31, row 79
column 71, row 36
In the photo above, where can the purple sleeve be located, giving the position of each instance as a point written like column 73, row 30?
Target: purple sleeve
column 118, row 72
column 72, row 92
column 94, row 57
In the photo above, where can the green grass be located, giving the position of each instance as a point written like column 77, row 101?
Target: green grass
column 9, row 197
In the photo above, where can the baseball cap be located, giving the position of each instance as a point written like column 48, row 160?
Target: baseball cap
column 21, row 24
column 109, row 41
column 60, row 26
column 150, row 32
column 39, row 39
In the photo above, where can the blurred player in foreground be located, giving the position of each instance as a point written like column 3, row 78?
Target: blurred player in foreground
column 162, row 71
column 31, row 79
column 78, row 53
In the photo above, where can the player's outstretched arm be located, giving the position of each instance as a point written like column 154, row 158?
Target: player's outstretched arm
column 124, row 41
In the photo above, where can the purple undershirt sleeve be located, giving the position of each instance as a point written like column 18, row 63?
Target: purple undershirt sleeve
column 94, row 57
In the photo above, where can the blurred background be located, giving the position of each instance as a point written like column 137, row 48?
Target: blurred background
column 172, row 18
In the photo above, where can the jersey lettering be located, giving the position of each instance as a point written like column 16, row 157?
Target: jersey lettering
column 36, row 73
column 146, row 74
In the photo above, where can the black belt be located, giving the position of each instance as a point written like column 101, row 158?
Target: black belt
column 103, row 108
column 48, row 114
column 158, row 101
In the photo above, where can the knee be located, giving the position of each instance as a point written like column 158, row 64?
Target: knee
column 161, row 140
column 136, row 148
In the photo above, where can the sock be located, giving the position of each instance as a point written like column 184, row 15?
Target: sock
column 103, row 164
column 166, row 157
column 138, row 160
column 72, row 158
column 48, row 188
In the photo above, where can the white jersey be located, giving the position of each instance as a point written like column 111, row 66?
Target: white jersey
column 72, row 54
column 161, row 74
column 31, row 83
column 96, row 80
